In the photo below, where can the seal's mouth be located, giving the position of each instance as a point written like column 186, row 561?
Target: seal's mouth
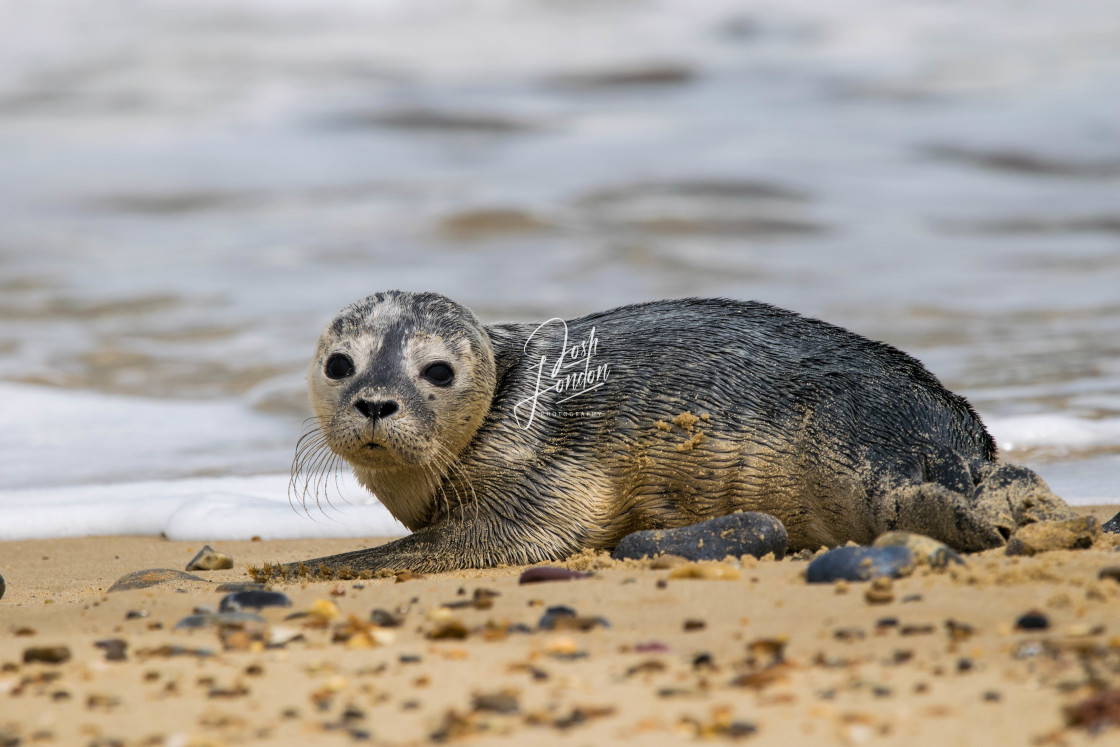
column 374, row 446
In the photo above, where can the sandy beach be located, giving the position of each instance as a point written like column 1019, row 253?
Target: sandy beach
column 757, row 655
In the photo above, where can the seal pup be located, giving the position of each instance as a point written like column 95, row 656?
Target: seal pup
column 521, row 443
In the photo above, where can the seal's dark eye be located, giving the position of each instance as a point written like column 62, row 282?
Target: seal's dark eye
column 338, row 366
column 439, row 374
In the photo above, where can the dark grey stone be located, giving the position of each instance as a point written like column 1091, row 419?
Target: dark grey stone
column 860, row 564
column 1112, row 526
column 234, row 619
column 152, row 577
column 746, row 533
column 255, row 599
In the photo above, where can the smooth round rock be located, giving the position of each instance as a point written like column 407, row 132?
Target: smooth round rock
column 115, row 648
column 1033, row 620
column 239, row 586
column 1112, row 526
column 545, row 573
column 860, row 564
column 385, row 619
column 552, row 614
column 255, row 599
column 234, row 619
column 209, row 559
column 926, row 550
column 745, row 533
column 2, row 587
column 152, row 577
column 46, row 655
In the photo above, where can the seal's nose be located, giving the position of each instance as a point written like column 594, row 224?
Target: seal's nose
column 376, row 410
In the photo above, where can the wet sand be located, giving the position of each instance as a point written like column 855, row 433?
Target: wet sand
column 764, row 658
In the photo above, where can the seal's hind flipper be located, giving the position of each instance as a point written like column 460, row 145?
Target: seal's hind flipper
column 947, row 507
column 934, row 510
column 1025, row 494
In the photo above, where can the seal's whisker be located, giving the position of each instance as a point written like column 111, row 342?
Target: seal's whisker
column 306, row 457
column 322, row 472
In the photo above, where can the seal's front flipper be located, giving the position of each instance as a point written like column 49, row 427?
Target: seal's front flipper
column 450, row 544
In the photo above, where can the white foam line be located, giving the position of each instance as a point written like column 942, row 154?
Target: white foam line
column 213, row 508
column 1033, row 431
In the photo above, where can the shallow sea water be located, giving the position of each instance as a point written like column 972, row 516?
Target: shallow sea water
column 188, row 192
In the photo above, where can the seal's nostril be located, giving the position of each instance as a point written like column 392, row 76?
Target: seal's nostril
column 376, row 410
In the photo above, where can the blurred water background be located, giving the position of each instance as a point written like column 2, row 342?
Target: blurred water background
column 190, row 190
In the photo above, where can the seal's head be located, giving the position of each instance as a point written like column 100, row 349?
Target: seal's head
column 399, row 384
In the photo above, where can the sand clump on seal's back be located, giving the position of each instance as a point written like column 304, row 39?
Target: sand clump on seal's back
column 520, row 443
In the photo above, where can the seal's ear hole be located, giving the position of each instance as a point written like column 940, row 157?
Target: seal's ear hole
column 439, row 374
column 338, row 366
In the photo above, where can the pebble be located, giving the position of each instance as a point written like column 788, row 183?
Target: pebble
column 209, row 559
column 552, row 614
column 1032, row 620
column 114, row 648
column 46, row 654
column 1044, row 536
column 650, row 666
column 550, row 573
column 860, row 564
column 385, row 619
column 279, row 635
column 926, row 550
column 565, row 618
column 323, row 610
column 449, row 630
column 879, row 592
column 959, row 631
column 745, row 533
column 3, row 588
column 255, row 599
column 231, row 618
column 564, row 648
column 500, row 702
column 239, row 586
column 152, row 577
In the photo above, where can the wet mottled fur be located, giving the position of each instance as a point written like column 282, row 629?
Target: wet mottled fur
column 711, row 406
